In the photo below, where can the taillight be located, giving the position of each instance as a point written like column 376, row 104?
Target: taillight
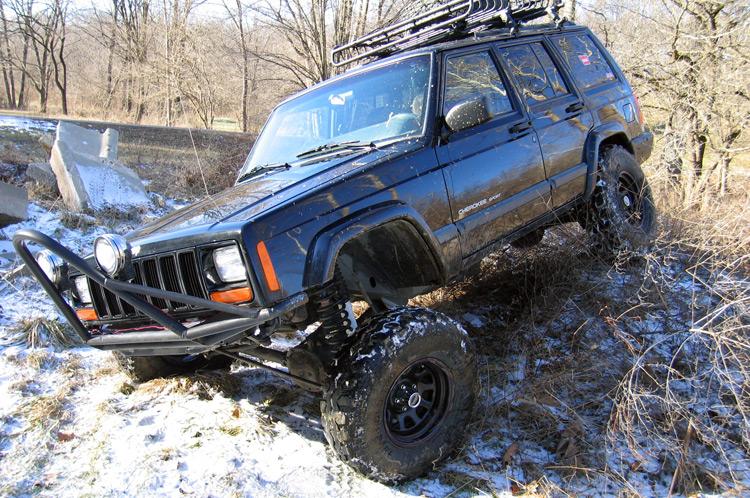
column 638, row 110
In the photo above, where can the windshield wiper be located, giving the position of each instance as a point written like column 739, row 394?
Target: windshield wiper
column 336, row 146
column 262, row 169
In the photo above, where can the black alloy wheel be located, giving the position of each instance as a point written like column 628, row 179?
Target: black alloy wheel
column 416, row 402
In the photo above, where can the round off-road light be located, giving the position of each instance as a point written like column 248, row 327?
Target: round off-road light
column 111, row 253
column 52, row 265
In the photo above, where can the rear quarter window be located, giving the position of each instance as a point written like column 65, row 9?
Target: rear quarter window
column 587, row 63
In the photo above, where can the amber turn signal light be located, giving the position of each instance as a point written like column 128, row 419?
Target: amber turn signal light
column 268, row 270
column 241, row 295
column 87, row 314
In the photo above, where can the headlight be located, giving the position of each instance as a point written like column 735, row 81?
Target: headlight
column 82, row 287
column 111, row 253
column 229, row 265
column 53, row 266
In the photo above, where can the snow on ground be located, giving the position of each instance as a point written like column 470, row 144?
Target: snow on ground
column 28, row 124
column 72, row 424
column 551, row 356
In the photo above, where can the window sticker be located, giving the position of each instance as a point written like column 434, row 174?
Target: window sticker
column 584, row 60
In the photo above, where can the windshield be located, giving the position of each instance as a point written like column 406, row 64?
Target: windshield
column 380, row 104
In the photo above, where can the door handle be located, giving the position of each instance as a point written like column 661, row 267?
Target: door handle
column 578, row 106
column 520, row 127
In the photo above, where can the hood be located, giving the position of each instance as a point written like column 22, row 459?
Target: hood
column 257, row 195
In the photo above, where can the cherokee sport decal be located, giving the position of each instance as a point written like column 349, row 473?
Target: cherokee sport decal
column 478, row 204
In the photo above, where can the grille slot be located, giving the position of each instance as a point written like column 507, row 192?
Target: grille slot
column 178, row 272
column 190, row 275
column 150, row 272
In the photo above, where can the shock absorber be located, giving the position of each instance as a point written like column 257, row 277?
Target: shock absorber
column 337, row 322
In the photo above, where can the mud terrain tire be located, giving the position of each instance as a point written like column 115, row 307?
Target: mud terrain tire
column 621, row 217
column 405, row 356
column 145, row 368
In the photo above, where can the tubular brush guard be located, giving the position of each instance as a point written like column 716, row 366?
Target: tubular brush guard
column 177, row 339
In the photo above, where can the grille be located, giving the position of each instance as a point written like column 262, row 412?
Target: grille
column 177, row 272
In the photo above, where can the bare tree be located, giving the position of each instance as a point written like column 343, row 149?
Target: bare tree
column 7, row 58
column 692, row 69
column 303, row 26
column 40, row 26
column 57, row 51
column 134, row 36
column 236, row 12
column 570, row 9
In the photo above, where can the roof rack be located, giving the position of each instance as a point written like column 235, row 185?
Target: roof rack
column 450, row 20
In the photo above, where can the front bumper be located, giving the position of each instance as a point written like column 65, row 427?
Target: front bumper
column 175, row 338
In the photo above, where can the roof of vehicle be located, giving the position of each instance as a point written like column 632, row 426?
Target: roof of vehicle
column 502, row 34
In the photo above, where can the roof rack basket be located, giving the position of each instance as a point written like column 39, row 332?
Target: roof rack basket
column 450, row 20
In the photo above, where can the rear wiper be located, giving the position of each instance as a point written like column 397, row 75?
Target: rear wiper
column 262, row 169
column 334, row 146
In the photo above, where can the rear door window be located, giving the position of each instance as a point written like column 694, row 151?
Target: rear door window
column 588, row 65
column 536, row 74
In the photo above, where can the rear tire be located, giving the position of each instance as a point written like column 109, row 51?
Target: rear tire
column 401, row 399
column 145, row 368
column 621, row 216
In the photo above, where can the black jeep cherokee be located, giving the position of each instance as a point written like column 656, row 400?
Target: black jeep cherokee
column 378, row 185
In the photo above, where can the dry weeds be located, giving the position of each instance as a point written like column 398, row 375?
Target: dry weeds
column 642, row 361
column 42, row 332
column 205, row 385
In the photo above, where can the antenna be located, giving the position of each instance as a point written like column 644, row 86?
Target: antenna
column 451, row 20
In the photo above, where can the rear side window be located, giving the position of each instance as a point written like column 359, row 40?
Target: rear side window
column 586, row 61
column 536, row 74
column 475, row 75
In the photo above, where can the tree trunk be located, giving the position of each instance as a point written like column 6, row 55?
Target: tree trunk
column 10, row 85
column 24, row 64
column 245, row 66
column 111, row 54
column 570, row 10
column 61, row 76
column 724, row 174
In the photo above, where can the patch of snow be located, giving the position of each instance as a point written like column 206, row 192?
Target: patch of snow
column 27, row 124
column 474, row 320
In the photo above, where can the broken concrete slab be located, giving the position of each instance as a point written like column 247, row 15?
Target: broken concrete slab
column 14, row 203
column 108, row 149
column 42, row 174
column 87, row 177
column 47, row 141
column 82, row 140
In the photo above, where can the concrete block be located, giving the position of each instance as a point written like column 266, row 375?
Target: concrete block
column 47, row 141
column 14, row 203
column 109, row 144
column 42, row 174
column 87, row 180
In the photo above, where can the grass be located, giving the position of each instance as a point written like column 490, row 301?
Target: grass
column 642, row 358
column 42, row 332
column 204, row 385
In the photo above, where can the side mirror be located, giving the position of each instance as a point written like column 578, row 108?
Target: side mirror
column 467, row 114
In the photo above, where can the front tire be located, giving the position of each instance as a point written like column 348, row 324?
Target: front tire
column 401, row 398
column 145, row 368
column 621, row 216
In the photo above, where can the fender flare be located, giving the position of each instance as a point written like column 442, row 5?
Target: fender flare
column 591, row 150
column 327, row 245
